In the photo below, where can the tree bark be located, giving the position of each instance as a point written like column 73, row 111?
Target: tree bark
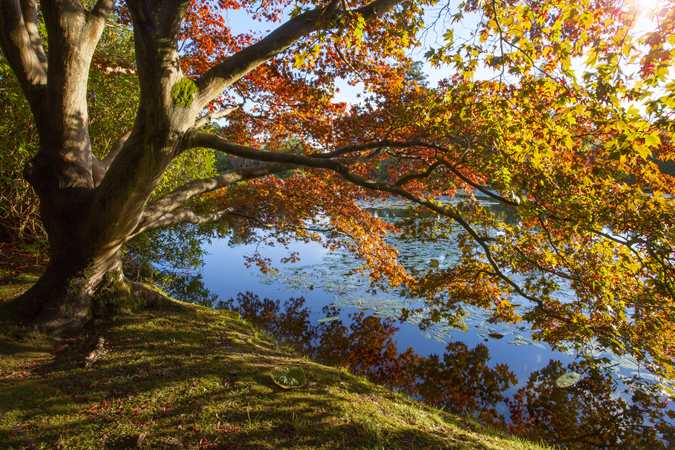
column 70, row 292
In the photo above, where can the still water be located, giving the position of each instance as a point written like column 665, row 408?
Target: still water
column 494, row 373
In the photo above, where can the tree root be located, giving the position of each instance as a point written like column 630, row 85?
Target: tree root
column 154, row 299
column 70, row 311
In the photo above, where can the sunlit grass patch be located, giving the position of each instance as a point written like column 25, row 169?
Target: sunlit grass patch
column 201, row 379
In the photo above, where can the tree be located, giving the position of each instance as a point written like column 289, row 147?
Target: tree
column 570, row 153
column 112, row 86
column 108, row 94
column 90, row 206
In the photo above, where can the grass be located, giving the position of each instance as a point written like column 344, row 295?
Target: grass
column 171, row 379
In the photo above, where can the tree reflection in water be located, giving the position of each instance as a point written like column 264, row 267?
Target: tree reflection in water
column 459, row 381
column 587, row 415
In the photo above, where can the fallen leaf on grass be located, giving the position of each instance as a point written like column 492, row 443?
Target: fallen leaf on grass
column 172, row 441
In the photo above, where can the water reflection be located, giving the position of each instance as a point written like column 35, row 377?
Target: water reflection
column 589, row 414
column 399, row 211
column 595, row 413
column 459, row 381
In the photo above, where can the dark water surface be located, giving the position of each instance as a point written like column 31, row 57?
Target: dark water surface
column 495, row 373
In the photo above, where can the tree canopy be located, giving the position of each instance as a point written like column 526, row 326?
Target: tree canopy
column 566, row 130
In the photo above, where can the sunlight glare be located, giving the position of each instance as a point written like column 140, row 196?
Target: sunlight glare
column 647, row 6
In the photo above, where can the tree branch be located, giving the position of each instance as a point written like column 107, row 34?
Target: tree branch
column 16, row 44
column 30, row 17
column 100, row 166
column 102, row 9
column 98, row 17
column 214, row 116
column 236, row 66
column 221, row 144
column 184, row 215
column 416, row 176
column 157, row 209
column 116, row 147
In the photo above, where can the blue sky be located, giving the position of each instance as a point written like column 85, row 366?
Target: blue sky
column 241, row 22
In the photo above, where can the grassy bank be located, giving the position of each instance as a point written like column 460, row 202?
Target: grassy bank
column 169, row 379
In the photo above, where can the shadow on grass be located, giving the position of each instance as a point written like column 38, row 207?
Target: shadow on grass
column 201, row 380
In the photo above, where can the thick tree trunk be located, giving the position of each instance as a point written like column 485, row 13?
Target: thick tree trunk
column 71, row 292
column 86, row 226
column 84, row 278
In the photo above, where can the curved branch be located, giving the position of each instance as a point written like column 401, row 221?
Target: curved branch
column 157, row 209
column 102, row 9
column 30, row 17
column 221, row 144
column 184, row 215
column 100, row 166
column 116, row 147
column 17, row 46
column 367, row 146
column 236, row 66
column 214, row 116
column 416, row 143
column 416, row 176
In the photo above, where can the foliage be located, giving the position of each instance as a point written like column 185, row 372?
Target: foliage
column 168, row 255
column 19, row 217
column 113, row 85
column 222, row 163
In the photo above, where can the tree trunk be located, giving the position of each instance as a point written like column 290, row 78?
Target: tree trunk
column 84, row 278
column 68, row 295
column 73, row 291
column 86, row 226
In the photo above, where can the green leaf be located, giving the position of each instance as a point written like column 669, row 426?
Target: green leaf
column 567, row 380
column 288, row 377
column 329, row 319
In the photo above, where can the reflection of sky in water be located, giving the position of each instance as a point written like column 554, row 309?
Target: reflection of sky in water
column 225, row 274
column 321, row 277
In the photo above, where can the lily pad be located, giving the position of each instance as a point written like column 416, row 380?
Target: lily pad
column 434, row 263
column 567, row 380
column 288, row 377
column 329, row 319
column 496, row 335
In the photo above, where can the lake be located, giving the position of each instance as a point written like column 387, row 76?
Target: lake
column 493, row 372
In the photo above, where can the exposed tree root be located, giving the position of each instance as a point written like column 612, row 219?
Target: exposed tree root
column 55, row 307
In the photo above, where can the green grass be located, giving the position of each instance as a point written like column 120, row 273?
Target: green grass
column 175, row 379
column 16, row 284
